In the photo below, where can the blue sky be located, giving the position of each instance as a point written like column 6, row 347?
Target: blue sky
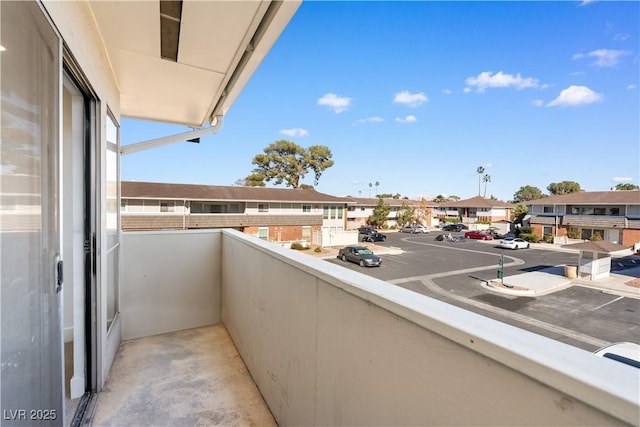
column 418, row 95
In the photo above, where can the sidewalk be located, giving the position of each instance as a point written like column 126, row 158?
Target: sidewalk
column 542, row 282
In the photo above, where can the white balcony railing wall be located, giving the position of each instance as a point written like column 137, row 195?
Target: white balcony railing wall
column 330, row 346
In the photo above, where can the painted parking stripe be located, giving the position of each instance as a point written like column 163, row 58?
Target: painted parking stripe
column 606, row 303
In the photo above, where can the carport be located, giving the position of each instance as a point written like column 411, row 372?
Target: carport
column 594, row 260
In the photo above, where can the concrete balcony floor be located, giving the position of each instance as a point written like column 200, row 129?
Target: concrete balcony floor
column 186, row 378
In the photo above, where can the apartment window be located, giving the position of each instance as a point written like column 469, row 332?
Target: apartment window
column 263, row 233
column 333, row 212
column 263, row 207
column 234, row 208
column 167, row 206
column 306, row 208
column 614, row 211
column 547, row 209
column 547, row 229
column 340, row 212
column 599, row 211
column 592, row 234
column 123, row 205
column 325, row 212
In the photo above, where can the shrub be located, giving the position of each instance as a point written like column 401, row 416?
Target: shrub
column 526, row 230
column 299, row 246
column 548, row 237
column 533, row 238
column 318, row 249
column 573, row 234
column 596, row 236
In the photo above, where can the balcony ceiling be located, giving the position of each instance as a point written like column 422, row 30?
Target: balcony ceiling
column 186, row 61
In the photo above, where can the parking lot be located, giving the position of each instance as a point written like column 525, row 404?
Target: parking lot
column 454, row 272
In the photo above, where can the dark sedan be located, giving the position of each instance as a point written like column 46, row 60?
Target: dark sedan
column 374, row 237
column 454, row 227
column 366, row 230
column 360, row 255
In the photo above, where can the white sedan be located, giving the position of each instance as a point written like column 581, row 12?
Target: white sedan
column 513, row 243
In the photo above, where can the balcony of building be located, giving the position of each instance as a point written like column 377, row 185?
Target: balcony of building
column 222, row 328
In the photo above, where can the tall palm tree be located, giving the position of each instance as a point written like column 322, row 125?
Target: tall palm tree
column 486, row 179
column 370, row 187
column 377, row 184
column 479, row 171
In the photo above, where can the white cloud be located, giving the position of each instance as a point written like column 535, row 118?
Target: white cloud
column 622, row 179
column 374, row 119
column 410, row 99
column 537, row 103
column 447, row 91
column 603, row 57
column 294, row 132
column 632, row 87
column 467, row 89
column 408, row 119
column 574, row 96
column 586, row 2
column 337, row 103
column 621, row 37
column 487, row 79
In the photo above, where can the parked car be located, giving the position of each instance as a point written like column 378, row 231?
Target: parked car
column 623, row 352
column 414, row 229
column 455, row 227
column 480, row 235
column 513, row 243
column 360, row 255
column 374, row 237
column 366, row 230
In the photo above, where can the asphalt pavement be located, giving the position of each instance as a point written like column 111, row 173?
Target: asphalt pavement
column 541, row 282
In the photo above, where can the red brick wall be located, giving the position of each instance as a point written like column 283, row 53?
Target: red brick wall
column 283, row 233
column 537, row 230
column 630, row 237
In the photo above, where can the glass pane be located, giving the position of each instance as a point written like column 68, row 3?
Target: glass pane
column 31, row 347
column 112, row 284
column 112, row 205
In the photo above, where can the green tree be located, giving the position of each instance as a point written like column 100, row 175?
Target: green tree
column 286, row 161
column 486, row 179
column 479, row 171
column 255, row 180
column 564, row 187
column 526, row 193
column 519, row 212
column 406, row 215
column 380, row 214
column 439, row 199
column 625, row 187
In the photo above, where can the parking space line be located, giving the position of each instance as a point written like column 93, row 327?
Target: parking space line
column 607, row 303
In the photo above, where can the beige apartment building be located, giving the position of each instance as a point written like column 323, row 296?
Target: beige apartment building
column 275, row 214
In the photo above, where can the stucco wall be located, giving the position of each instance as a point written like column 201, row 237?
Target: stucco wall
column 170, row 281
column 329, row 346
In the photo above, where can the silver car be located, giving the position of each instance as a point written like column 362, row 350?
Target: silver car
column 414, row 229
column 360, row 255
